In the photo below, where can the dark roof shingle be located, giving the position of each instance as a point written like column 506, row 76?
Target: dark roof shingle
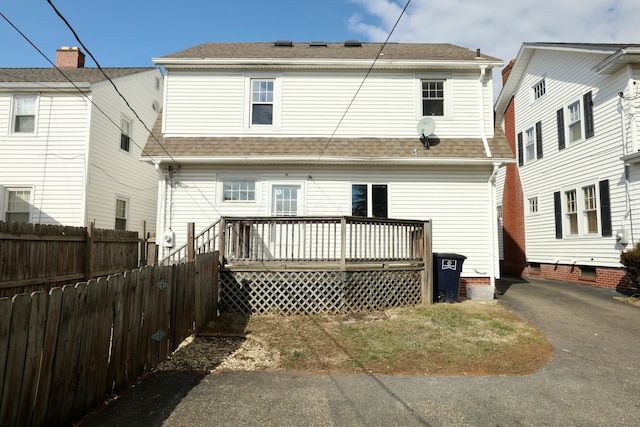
column 53, row 75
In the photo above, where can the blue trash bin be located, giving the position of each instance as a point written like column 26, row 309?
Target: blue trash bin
column 446, row 271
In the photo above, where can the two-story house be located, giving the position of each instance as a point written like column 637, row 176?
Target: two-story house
column 319, row 129
column 570, row 207
column 70, row 145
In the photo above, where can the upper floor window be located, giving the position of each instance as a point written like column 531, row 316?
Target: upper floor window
column 575, row 121
column 125, row 134
column 539, row 89
column 369, row 200
column 530, row 144
column 18, row 208
column 121, row 214
column 239, row 190
column 262, row 100
column 433, row 97
column 533, row 205
column 24, row 113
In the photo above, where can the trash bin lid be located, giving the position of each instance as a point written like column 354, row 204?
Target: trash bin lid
column 450, row 255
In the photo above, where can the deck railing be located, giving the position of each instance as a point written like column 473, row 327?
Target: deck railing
column 204, row 242
column 320, row 239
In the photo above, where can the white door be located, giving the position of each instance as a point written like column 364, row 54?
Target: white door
column 285, row 236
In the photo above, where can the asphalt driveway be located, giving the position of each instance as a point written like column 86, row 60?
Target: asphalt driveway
column 592, row 380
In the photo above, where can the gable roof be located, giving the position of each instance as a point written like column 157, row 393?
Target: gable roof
column 322, row 150
column 262, row 53
column 615, row 56
column 53, row 75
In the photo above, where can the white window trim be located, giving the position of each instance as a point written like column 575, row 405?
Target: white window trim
column 528, row 204
column 534, row 90
column 124, row 118
column 581, row 213
column 4, row 199
column 12, row 121
column 567, row 122
column 277, row 101
column 524, row 144
column 448, row 94
column 127, row 218
column 255, row 179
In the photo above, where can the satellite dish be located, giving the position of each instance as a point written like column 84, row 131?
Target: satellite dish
column 426, row 126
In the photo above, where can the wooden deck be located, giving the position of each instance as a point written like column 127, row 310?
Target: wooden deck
column 317, row 264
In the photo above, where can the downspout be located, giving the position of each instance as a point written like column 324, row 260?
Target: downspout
column 162, row 198
column 492, row 188
column 625, row 152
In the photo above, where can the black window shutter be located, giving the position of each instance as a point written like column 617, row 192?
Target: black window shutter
column 539, row 140
column 560, row 117
column 605, row 209
column 557, row 211
column 520, row 153
column 588, row 115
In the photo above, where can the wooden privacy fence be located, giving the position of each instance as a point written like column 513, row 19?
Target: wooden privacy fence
column 38, row 257
column 63, row 351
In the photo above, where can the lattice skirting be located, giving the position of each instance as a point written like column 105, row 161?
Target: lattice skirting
column 315, row 292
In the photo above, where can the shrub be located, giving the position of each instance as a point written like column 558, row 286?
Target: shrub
column 631, row 260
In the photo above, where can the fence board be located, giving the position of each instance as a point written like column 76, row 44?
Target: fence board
column 31, row 371
column 72, row 377
column 18, row 333
column 63, row 351
column 116, row 377
column 101, row 339
column 46, row 368
column 86, row 322
column 5, row 323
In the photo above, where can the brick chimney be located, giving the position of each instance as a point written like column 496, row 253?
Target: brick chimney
column 507, row 70
column 69, row 57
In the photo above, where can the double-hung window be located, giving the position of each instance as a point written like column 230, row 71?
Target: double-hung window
column 369, row 200
column 262, row 99
column 575, row 121
column 24, row 113
column 239, row 190
column 583, row 211
column 530, row 144
column 18, row 207
column 125, row 134
column 539, row 89
column 433, row 97
column 121, row 214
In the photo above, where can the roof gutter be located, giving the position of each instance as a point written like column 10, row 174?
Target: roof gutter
column 616, row 58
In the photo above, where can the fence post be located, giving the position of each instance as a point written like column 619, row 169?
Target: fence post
column 90, row 252
column 143, row 246
column 191, row 249
column 427, row 274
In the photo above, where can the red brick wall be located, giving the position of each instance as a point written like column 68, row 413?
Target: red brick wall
column 69, row 57
column 513, row 242
column 605, row 277
column 472, row 281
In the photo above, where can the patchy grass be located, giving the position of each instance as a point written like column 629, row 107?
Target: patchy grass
column 633, row 300
column 441, row 339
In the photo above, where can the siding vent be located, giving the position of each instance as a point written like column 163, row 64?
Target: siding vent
column 318, row 44
column 352, row 43
column 283, row 43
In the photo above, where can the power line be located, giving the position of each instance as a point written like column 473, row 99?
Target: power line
column 364, row 79
column 86, row 49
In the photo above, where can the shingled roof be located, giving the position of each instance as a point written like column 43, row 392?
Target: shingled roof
column 248, row 149
column 53, row 75
column 298, row 50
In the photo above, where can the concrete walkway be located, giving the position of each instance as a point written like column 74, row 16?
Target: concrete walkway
column 592, row 380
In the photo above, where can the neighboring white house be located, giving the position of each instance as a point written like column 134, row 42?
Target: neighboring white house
column 571, row 112
column 330, row 129
column 70, row 147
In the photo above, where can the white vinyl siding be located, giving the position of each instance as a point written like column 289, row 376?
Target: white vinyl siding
column 323, row 104
column 412, row 194
column 588, row 161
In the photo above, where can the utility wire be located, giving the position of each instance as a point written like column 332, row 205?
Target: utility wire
column 364, row 80
column 68, row 79
column 86, row 49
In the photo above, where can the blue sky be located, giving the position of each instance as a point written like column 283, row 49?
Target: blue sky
column 129, row 33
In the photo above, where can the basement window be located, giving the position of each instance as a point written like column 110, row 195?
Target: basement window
column 534, row 267
column 587, row 271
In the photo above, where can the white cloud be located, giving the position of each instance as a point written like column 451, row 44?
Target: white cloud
column 497, row 27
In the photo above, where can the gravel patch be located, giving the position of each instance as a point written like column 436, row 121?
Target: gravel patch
column 210, row 353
